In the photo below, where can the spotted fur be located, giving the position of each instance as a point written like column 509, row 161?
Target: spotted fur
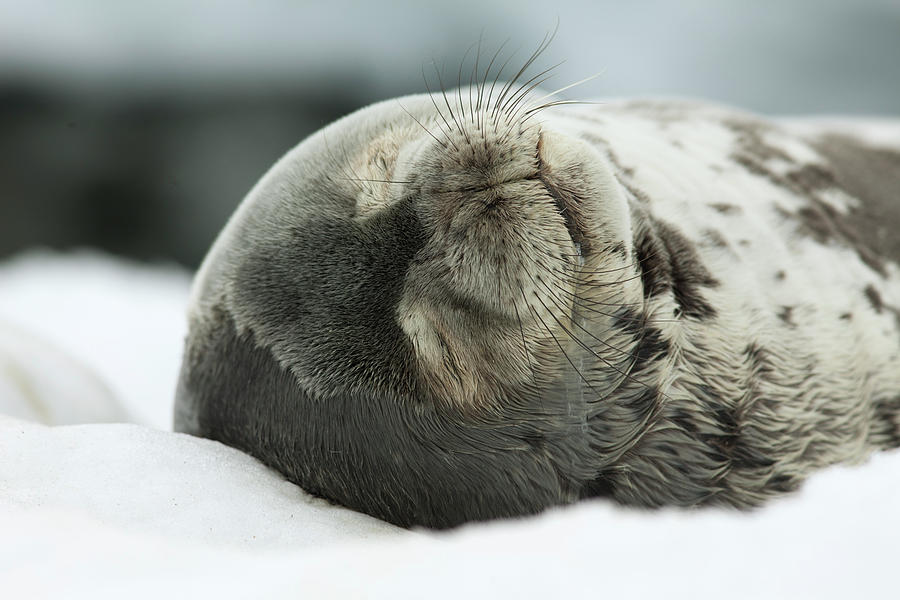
column 443, row 309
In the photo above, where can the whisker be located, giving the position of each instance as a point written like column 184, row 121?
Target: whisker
column 558, row 103
column 514, row 99
column 556, row 302
column 561, row 349
column 484, row 80
column 497, row 80
column 446, row 101
column 375, row 180
column 472, row 76
column 439, row 111
column 460, row 105
column 527, row 353
column 545, row 43
column 338, row 165
column 626, row 374
column 571, row 85
column 428, row 131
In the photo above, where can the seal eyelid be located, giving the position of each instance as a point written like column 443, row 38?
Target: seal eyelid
column 564, row 209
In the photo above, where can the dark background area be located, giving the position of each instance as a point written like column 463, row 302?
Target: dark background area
column 137, row 128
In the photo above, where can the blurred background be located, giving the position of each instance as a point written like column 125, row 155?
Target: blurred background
column 137, row 127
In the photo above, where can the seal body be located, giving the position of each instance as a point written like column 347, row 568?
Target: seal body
column 446, row 309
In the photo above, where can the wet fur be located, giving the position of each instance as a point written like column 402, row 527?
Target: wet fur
column 447, row 308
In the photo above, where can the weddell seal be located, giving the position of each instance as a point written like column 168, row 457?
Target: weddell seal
column 482, row 302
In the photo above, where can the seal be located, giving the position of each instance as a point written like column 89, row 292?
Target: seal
column 479, row 304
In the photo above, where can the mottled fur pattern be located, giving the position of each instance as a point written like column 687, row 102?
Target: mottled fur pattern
column 452, row 308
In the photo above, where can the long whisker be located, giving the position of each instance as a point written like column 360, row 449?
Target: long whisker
column 439, row 112
column 446, row 101
column 375, row 180
column 428, row 131
column 537, row 80
column 561, row 349
column 571, row 85
column 460, row 105
column 562, row 307
column 497, row 80
column 545, row 43
column 473, row 75
column 340, row 166
column 484, row 81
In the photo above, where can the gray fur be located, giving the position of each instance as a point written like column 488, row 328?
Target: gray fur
column 436, row 316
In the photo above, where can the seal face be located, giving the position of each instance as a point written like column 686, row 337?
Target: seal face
column 436, row 314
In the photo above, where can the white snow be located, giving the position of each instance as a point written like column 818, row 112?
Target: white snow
column 124, row 320
column 40, row 383
column 126, row 510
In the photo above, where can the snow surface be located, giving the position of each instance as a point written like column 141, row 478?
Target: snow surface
column 133, row 510
column 124, row 320
column 40, row 383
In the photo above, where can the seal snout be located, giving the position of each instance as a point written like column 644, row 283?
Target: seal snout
column 482, row 158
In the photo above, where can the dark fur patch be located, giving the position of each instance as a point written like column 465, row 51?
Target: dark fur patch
column 874, row 298
column 758, row 358
column 727, row 209
column 878, row 304
column 684, row 421
column 871, row 175
column 715, row 238
column 746, row 454
column 786, row 315
column 825, row 224
column 669, row 263
column 644, row 403
column 628, row 320
column 651, row 346
column 811, row 178
column 753, row 148
column 887, row 421
column 783, row 483
column 602, row 486
column 727, row 423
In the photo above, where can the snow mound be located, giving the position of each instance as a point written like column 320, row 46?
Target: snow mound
column 166, row 484
column 123, row 320
column 41, row 383
column 110, row 511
